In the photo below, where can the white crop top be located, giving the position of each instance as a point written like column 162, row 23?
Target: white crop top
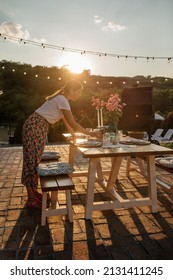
column 51, row 109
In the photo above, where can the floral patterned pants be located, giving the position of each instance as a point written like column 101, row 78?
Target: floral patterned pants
column 34, row 136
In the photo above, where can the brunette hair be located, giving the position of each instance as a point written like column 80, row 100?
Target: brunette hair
column 72, row 84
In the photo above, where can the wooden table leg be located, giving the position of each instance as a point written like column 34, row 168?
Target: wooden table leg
column 71, row 154
column 128, row 166
column 141, row 165
column 152, row 182
column 99, row 171
column 116, row 163
column 90, row 187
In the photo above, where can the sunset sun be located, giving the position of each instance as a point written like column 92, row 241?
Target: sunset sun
column 75, row 62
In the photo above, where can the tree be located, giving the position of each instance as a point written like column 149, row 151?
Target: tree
column 169, row 121
column 25, row 88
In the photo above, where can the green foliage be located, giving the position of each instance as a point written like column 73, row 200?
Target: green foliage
column 167, row 145
column 168, row 121
column 25, row 88
column 163, row 100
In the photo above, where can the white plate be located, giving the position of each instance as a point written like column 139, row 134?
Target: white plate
column 135, row 142
column 89, row 144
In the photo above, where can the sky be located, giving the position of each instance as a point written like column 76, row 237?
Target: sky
column 121, row 28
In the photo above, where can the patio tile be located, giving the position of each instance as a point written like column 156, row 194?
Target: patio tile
column 120, row 234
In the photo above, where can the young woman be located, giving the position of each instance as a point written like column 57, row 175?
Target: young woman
column 35, row 131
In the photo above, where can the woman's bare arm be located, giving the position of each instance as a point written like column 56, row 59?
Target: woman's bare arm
column 75, row 126
column 69, row 128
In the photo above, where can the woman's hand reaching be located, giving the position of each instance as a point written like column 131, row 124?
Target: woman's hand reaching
column 97, row 134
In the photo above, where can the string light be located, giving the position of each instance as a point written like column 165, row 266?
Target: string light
column 85, row 82
column 42, row 46
column 100, row 54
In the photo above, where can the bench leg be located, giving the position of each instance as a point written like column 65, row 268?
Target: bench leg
column 43, row 210
column 69, row 205
column 54, row 195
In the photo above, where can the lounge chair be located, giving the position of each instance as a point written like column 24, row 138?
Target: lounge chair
column 157, row 133
column 167, row 137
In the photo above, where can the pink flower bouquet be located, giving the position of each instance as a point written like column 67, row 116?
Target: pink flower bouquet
column 113, row 108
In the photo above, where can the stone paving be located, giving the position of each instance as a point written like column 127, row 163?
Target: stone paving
column 129, row 234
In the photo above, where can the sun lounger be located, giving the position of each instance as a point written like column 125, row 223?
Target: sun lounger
column 167, row 137
column 157, row 133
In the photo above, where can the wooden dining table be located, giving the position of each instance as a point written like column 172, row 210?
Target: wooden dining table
column 117, row 153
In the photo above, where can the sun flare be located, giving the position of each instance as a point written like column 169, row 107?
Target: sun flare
column 75, row 62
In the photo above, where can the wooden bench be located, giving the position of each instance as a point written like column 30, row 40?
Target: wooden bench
column 53, row 184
